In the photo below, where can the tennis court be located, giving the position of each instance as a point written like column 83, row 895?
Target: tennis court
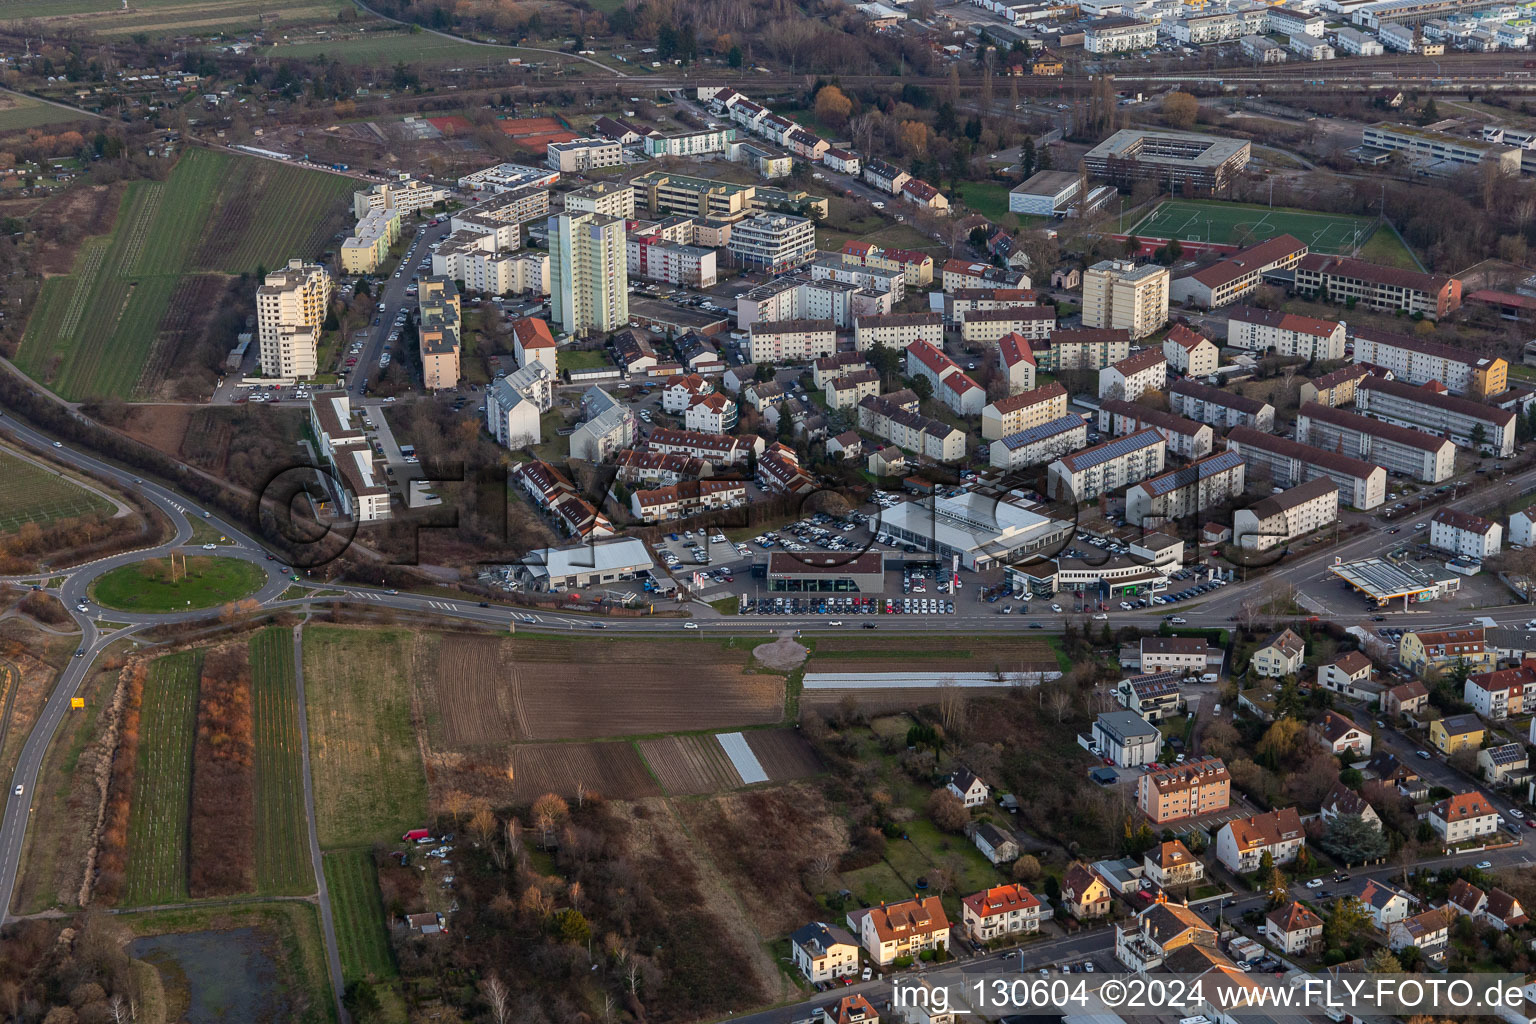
column 1240, row 224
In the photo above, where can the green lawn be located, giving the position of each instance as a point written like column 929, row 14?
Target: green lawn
column 282, row 850
column 368, row 777
column 578, row 359
column 24, row 112
column 99, row 330
column 1246, row 223
column 147, row 586
column 990, row 199
column 390, row 45
column 30, row 493
column 360, row 932
column 1386, row 248
column 162, row 782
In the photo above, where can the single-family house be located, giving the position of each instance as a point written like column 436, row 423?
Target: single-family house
column 1430, row 932
column 1456, row 732
column 1410, row 698
column 1281, row 655
column 968, row 787
column 1504, row 910
column 904, row 928
column 1385, row 903
column 1504, row 763
column 1085, row 894
column 1463, row 817
column 1295, row 929
column 823, row 952
column 1339, row 735
column 1342, row 801
column 1344, row 674
column 1157, row 933
column 854, row 1009
column 1170, row 865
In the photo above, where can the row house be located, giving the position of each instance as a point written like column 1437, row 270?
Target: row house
column 715, row 449
column 779, row 470
column 655, row 469
column 686, row 498
column 894, row 418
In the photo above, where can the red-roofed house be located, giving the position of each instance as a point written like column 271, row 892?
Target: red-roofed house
column 950, row 384
column 531, row 341
column 1464, row 816
column 1002, row 910
column 920, row 193
column 1017, row 361
column 1134, row 375
column 1190, row 352
column 1500, row 694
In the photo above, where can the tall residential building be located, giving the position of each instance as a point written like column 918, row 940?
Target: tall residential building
column 589, row 279
column 290, row 310
column 1120, row 295
column 439, row 333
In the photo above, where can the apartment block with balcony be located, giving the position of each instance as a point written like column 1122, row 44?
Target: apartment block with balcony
column 291, row 306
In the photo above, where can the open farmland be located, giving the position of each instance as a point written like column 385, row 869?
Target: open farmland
column 535, row 688
column 282, row 855
column 614, row 770
column 133, row 281
column 21, row 112
column 364, row 757
column 361, row 937
column 783, row 753
column 30, row 493
column 385, row 45
column 690, row 765
column 168, row 17
column 157, row 832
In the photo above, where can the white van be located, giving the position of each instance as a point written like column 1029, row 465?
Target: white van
column 1210, row 677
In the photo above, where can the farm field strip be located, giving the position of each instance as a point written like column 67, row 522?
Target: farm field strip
column 742, row 758
column 282, row 857
column 689, row 765
column 162, row 782
column 614, row 770
column 361, row 938
column 31, row 494
column 784, row 754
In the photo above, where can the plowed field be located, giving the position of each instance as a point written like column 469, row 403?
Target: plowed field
column 783, row 753
column 613, row 770
column 690, row 765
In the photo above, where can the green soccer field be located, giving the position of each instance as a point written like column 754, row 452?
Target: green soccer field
column 1243, row 224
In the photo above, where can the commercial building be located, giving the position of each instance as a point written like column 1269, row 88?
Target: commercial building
column 1039, row 444
column 291, row 306
column 589, row 276
column 1190, row 353
column 1116, row 35
column 1045, row 194
column 1185, row 438
column 981, row 530
column 438, row 330
column 647, row 256
column 1289, row 463
column 604, row 198
column 580, row 566
column 1200, row 786
column 1420, row 361
column 1286, row 334
column 1223, row 283
column 1469, row 424
column 1184, row 161
column 1219, row 408
column 366, row 249
column 772, row 242
column 1387, row 289
column 1134, row 375
column 1187, row 491
column 1081, row 349
column 1106, row 467
column 580, row 155
column 1440, row 150
column 1384, row 581
column 797, row 341
column 1402, row 450
column 1465, row 534
column 507, row 177
column 1120, row 295
column 403, row 194
column 1018, row 413
column 1281, row 518
column 898, row 330
column 894, row 418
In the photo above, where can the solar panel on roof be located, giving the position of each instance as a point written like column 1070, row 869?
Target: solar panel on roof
column 1043, row 432
column 1218, row 463
column 1120, row 446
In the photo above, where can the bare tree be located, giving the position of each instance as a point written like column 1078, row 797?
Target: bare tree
column 498, row 998
column 951, row 705
column 118, row 1007
column 1061, row 702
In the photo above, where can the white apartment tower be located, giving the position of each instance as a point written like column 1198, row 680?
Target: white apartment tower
column 290, row 311
column 1120, row 295
column 588, row 275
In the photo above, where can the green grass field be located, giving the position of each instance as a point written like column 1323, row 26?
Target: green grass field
column 282, row 854
column 390, row 46
column 162, row 783
column 31, row 494
column 1191, row 220
column 366, row 765
column 24, row 112
column 95, row 331
column 147, row 586
column 361, row 938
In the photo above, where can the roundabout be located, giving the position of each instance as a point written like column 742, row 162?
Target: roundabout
column 172, row 584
